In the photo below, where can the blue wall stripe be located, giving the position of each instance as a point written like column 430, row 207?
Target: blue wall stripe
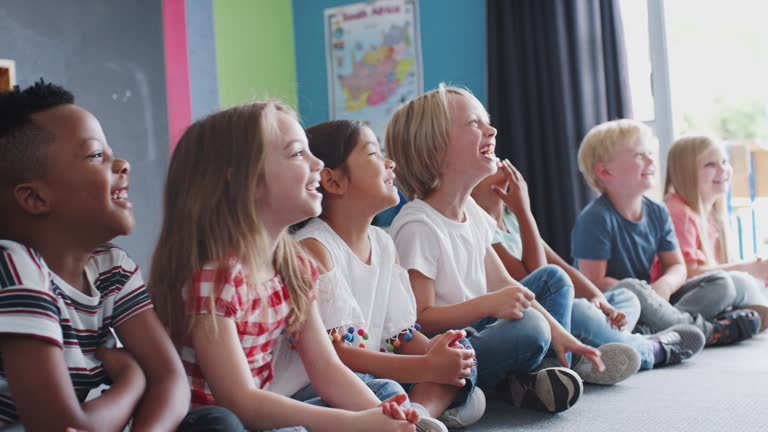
column 201, row 47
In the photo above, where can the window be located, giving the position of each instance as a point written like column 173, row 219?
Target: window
column 701, row 66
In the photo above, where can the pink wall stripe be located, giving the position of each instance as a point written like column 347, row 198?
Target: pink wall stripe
column 176, row 69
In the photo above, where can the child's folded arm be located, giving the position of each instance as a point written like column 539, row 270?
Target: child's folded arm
column 57, row 406
column 226, row 369
column 166, row 399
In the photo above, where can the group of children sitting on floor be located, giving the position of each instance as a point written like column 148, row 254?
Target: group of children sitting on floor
column 272, row 301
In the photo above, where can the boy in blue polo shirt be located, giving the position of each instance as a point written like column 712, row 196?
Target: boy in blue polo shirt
column 624, row 236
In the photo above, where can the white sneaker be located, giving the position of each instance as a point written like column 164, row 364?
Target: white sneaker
column 430, row 424
column 427, row 423
column 467, row 414
column 621, row 362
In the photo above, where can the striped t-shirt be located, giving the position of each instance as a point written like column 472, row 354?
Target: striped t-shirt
column 260, row 312
column 35, row 302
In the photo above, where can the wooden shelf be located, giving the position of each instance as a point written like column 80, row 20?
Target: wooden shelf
column 7, row 74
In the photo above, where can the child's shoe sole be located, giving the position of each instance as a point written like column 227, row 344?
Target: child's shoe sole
column 550, row 390
column 621, row 362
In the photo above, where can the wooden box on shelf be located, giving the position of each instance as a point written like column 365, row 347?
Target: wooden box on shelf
column 7, row 74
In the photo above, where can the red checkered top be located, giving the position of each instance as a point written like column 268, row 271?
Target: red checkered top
column 259, row 311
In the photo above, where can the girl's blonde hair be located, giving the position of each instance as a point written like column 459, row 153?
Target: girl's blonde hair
column 416, row 139
column 601, row 142
column 683, row 179
column 215, row 180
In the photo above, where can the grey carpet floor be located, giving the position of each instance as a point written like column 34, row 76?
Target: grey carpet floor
column 721, row 389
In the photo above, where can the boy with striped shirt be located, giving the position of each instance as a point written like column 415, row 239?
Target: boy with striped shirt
column 63, row 287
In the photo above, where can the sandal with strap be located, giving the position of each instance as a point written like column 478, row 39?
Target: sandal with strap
column 734, row 326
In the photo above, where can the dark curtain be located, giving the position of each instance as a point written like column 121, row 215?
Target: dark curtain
column 556, row 68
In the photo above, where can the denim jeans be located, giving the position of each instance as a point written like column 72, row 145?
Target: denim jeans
column 707, row 294
column 518, row 346
column 749, row 291
column 658, row 314
column 382, row 388
column 211, row 418
column 590, row 325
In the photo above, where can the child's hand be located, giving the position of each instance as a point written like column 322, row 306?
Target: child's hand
column 617, row 319
column 511, row 302
column 392, row 408
column 119, row 364
column 374, row 420
column 563, row 342
column 447, row 363
column 515, row 195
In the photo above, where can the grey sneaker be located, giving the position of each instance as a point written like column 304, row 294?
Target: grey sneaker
column 430, row 424
column 621, row 362
column 427, row 423
column 467, row 414
column 680, row 342
column 551, row 390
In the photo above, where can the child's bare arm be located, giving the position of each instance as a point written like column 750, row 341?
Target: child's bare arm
column 416, row 361
column 673, row 273
column 584, row 288
column 228, row 374
column 517, row 200
column 758, row 268
column 333, row 381
column 595, row 271
column 438, row 319
column 166, row 400
column 562, row 341
column 514, row 266
column 44, row 396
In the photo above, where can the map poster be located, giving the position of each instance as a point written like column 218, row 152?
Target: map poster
column 373, row 57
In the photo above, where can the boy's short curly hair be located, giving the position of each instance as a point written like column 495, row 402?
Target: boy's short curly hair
column 24, row 141
column 417, row 140
column 600, row 143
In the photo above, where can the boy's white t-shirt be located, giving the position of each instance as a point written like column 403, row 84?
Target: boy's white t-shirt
column 375, row 297
column 448, row 252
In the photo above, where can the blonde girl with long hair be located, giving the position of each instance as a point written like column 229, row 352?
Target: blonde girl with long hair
column 698, row 176
column 227, row 279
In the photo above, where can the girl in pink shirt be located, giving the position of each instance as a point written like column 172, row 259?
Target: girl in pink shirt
column 698, row 175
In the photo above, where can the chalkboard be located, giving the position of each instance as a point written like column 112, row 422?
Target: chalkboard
column 109, row 53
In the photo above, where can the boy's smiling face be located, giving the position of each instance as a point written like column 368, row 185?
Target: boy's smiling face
column 85, row 188
column 632, row 169
column 472, row 140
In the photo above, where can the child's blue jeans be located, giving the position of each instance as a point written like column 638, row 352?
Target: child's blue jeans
column 518, row 346
column 590, row 325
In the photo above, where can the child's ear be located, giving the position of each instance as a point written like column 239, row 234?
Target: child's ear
column 33, row 198
column 602, row 171
column 333, row 181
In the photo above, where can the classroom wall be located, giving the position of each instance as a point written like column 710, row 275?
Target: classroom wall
column 453, row 42
column 254, row 50
column 128, row 63
column 110, row 54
